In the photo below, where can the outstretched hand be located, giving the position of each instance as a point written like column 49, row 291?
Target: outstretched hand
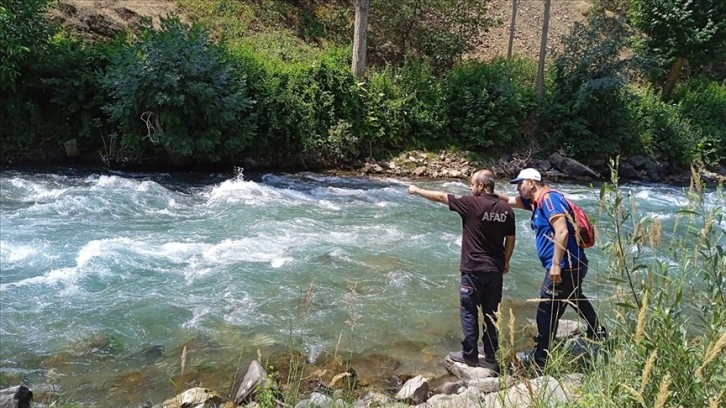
column 412, row 189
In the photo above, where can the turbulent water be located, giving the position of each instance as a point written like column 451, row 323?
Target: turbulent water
column 106, row 277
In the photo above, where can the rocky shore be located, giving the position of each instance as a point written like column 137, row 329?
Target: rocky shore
column 445, row 164
column 463, row 386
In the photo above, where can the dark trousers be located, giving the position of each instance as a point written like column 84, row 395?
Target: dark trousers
column 553, row 301
column 483, row 290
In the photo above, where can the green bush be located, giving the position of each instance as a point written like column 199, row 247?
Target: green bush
column 703, row 102
column 585, row 108
column 308, row 112
column 487, row 104
column 664, row 131
column 403, row 108
column 23, row 34
column 176, row 89
column 57, row 97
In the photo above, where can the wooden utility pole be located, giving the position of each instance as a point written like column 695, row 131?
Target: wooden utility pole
column 358, row 66
column 511, row 30
column 543, row 49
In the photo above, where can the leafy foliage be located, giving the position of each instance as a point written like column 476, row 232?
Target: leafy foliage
column 585, row 109
column 437, row 31
column 486, row 106
column 703, row 102
column 22, row 32
column 681, row 28
column 182, row 86
column 403, row 107
column 664, row 130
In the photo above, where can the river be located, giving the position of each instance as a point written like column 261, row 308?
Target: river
column 106, row 277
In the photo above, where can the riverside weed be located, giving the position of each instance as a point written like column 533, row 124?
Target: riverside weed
column 668, row 319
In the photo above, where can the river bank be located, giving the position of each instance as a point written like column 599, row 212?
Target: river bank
column 442, row 164
column 224, row 261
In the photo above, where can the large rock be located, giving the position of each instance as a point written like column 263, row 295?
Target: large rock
column 197, row 397
column 16, row 397
column 572, row 167
column 529, row 394
column 373, row 399
column 482, row 378
column 471, row 397
column 416, row 390
column 255, row 378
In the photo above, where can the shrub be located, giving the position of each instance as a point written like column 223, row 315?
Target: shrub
column 667, row 329
column 664, row 131
column 703, row 102
column 183, row 87
column 403, row 108
column 487, row 105
column 585, row 109
column 23, row 34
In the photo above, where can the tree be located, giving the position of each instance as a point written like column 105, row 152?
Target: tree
column 543, row 49
column 22, row 30
column 360, row 38
column 680, row 32
column 179, row 90
column 437, row 31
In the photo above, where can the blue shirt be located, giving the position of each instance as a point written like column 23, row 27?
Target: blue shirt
column 552, row 204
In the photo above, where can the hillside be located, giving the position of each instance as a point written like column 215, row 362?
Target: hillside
column 95, row 19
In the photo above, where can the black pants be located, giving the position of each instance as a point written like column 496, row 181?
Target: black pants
column 483, row 289
column 554, row 301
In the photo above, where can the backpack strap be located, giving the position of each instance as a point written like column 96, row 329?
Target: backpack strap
column 548, row 190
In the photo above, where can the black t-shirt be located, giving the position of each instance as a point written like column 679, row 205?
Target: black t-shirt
column 486, row 220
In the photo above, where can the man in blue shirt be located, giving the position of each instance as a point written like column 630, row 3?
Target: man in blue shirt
column 564, row 261
column 486, row 246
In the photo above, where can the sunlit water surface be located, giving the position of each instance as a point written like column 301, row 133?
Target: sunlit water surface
column 105, row 277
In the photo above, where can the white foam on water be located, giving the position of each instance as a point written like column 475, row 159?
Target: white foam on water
column 654, row 197
column 11, row 253
column 399, row 279
column 455, row 185
column 328, row 205
column 68, row 276
column 238, row 191
column 198, row 316
column 106, row 248
column 33, row 191
column 238, row 311
column 257, row 249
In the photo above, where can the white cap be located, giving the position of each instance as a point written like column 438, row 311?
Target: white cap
column 527, row 174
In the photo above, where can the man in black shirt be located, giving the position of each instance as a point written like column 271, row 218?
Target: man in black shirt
column 486, row 247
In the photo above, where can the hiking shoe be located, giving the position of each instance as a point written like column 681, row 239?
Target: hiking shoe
column 527, row 358
column 490, row 364
column 458, row 356
column 482, row 352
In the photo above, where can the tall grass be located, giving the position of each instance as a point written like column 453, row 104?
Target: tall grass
column 668, row 321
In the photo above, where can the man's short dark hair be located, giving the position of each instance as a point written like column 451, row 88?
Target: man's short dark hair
column 485, row 177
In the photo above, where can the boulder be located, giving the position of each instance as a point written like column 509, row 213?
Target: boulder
column 530, row 393
column 373, row 399
column 255, row 378
column 416, row 390
column 471, row 397
column 471, row 376
column 196, row 397
column 638, row 161
column 572, row 167
column 16, row 397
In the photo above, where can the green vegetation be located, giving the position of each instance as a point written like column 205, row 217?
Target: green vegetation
column 183, row 89
column 656, row 359
column 271, row 80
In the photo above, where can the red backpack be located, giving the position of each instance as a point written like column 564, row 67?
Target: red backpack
column 584, row 230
